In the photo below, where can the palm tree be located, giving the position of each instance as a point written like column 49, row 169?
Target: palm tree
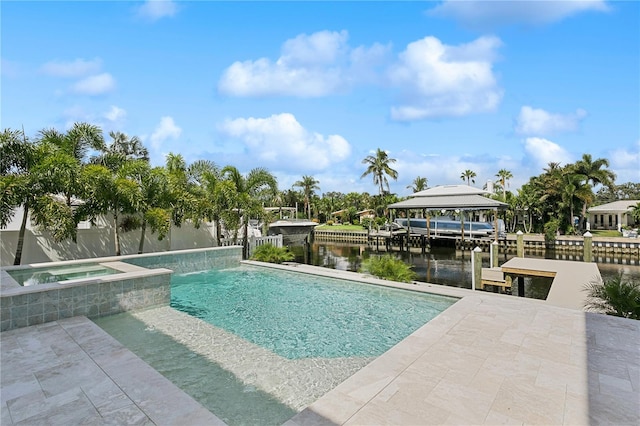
column 574, row 189
column 121, row 149
column 378, row 165
column 18, row 157
column 68, row 153
column 109, row 192
column 308, row 184
column 418, row 184
column 503, row 176
column 246, row 200
column 469, row 176
column 595, row 172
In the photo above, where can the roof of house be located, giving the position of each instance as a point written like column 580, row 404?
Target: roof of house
column 449, row 190
column 619, row 206
column 450, row 202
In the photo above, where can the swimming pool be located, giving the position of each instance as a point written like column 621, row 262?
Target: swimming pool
column 302, row 316
column 256, row 345
column 35, row 276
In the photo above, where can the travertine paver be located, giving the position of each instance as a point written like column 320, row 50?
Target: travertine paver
column 489, row 360
column 71, row 372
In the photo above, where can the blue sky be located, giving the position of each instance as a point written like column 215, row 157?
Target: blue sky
column 312, row 88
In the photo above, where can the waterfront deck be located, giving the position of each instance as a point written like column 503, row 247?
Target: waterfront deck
column 569, row 278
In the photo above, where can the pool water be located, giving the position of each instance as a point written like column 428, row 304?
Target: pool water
column 35, row 276
column 256, row 345
column 302, row 316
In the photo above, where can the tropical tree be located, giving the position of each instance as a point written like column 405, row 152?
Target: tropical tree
column 574, row 190
column 121, row 149
column 418, row 184
column 151, row 207
column 503, row 176
column 250, row 190
column 635, row 213
column 469, row 176
column 66, row 154
column 17, row 160
column 308, row 184
column 379, row 165
column 594, row 172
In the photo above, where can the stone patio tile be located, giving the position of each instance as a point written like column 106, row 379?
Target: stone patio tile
column 420, row 413
column 576, row 409
column 106, row 396
column 614, row 385
column 69, row 374
column 463, row 401
column 495, row 418
column 16, row 389
column 5, row 416
column 129, row 415
column 70, row 407
column 528, row 403
column 613, row 410
column 562, row 377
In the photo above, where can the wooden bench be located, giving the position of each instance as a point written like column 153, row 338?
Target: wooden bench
column 495, row 277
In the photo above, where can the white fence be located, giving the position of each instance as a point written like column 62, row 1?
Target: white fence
column 254, row 242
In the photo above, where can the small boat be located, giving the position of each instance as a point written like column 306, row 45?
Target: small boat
column 294, row 231
column 444, row 226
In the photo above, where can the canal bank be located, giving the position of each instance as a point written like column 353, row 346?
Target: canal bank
column 602, row 249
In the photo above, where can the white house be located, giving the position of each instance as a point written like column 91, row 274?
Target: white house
column 612, row 215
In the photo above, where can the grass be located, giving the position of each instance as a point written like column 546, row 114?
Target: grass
column 338, row 228
column 605, row 233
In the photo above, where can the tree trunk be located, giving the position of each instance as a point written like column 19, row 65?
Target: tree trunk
column 117, row 233
column 143, row 228
column 218, row 231
column 23, row 228
column 245, row 243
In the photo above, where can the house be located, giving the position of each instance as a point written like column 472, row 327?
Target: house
column 366, row 214
column 612, row 215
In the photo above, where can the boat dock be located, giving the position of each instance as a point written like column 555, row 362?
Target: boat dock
column 569, row 278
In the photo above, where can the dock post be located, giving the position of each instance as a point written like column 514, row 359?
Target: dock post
column 588, row 247
column 520, row 244
column 476, row 267
column 494, row 248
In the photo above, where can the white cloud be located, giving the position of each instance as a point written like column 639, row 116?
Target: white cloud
column 166, row 130
column 543, row 151
column 157, row 9
column 535, row 121
column 281, row 141
column 488, row 14
column 625, row 163
column 76, row 68
column 115, row 113
column 95, row 85
column 437, row 80
column 309, row 66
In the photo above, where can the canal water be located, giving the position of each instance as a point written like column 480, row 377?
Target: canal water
column 444, row 265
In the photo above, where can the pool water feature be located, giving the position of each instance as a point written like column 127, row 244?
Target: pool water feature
column 242, row 382
column 35, row 276
column 302, row 316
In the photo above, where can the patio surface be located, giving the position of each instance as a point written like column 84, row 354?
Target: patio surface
column 488, row 359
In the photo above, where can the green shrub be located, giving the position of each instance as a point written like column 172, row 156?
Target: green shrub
column 617, row 297
column 551, row 231
column 366, row 222
column 272, row 254
column 329, row 223
column 389, row 267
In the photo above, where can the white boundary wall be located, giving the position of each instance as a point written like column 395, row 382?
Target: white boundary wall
column 99, row 242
